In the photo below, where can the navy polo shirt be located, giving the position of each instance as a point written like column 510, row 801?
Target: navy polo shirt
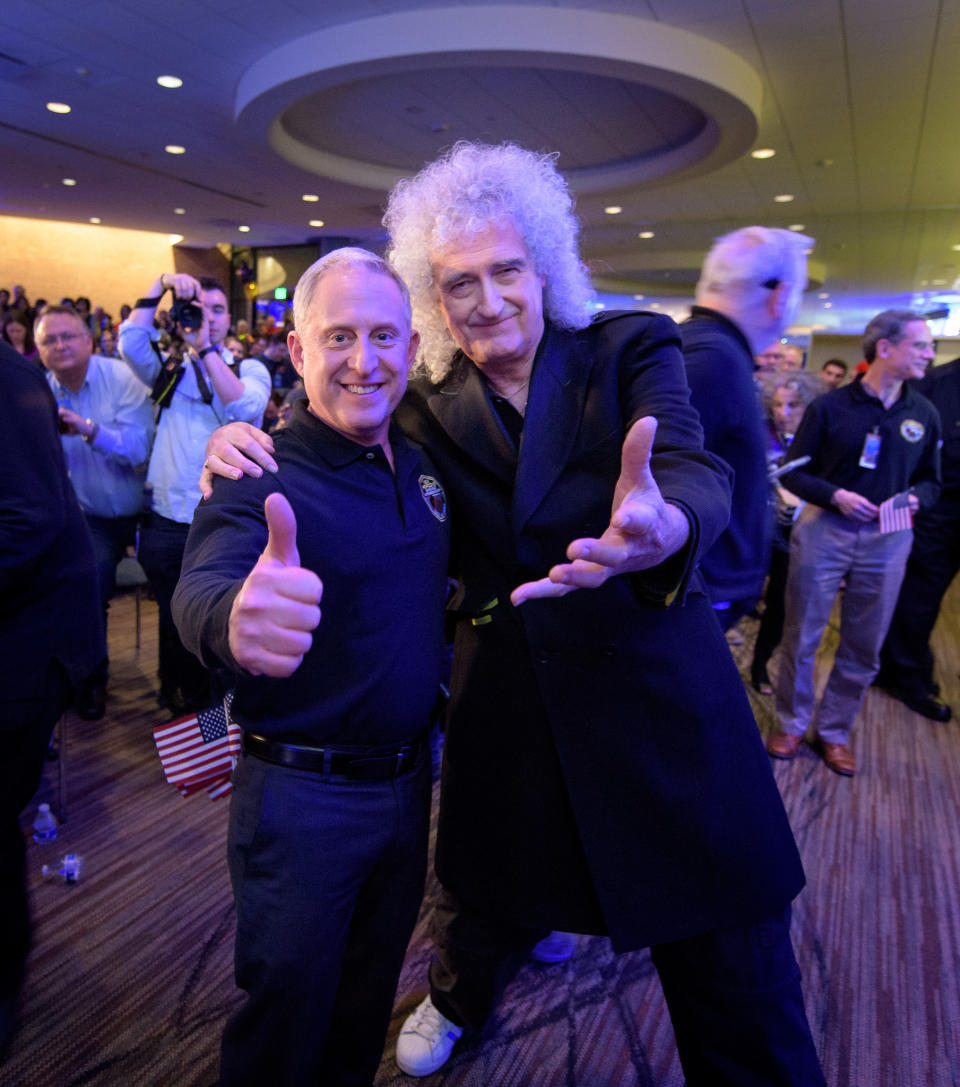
column 379, row 542
column 832, row 434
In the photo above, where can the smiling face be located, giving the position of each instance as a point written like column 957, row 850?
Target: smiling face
column 910, row 355
column 491, row 298
column 354, row 352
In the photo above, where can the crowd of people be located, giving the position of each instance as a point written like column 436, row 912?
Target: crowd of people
column 610, row 493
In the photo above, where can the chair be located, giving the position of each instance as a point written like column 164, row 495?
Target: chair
column 130, row 575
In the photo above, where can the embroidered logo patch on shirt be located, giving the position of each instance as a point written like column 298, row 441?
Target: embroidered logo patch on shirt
column 434, row 497
column 912, row 430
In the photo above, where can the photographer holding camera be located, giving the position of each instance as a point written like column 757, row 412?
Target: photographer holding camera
column 195, row 396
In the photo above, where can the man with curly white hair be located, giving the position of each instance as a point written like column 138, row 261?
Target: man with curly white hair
column 602, row 769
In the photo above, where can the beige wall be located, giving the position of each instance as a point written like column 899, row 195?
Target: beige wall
column 109, row 266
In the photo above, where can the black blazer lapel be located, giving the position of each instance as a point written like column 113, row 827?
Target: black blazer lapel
column 552, row 419
column 464, row 412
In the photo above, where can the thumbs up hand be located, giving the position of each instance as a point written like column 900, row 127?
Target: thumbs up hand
column 277, row 609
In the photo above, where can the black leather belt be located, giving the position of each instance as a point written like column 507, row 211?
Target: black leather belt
column 371, row 765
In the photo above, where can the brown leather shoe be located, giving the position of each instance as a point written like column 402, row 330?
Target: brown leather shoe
column 839, row 758
column 782, row 745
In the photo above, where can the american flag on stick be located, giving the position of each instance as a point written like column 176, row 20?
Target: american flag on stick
column 895, row 513
column 199, row 752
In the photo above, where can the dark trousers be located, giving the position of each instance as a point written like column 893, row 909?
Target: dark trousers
column 734, row 994
column 906, row 659
column 162, row 543
column 328, row 874
column 111, row 537
column 25, row 728
column 771, row 624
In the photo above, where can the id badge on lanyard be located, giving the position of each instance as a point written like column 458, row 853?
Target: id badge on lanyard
column 871, row 449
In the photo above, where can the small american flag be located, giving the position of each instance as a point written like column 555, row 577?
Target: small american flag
column 199, row 752
column 895, row 513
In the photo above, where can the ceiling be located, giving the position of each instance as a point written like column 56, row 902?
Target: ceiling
column 653, row 105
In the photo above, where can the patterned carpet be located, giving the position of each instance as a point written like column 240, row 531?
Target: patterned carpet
column 130, row 980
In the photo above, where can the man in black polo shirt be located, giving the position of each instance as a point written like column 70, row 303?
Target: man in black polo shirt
column 868, row 441
column 330, row 809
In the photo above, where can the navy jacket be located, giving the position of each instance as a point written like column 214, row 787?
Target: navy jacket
column 720, row 373
column 51, row 606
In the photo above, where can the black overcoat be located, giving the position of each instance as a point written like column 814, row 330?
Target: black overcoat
column 602, row 770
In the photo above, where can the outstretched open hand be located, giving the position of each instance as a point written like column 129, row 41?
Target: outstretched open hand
column 643, row 531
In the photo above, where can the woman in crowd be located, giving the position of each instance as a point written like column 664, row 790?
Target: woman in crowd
column 785, row 396
column 15, row 329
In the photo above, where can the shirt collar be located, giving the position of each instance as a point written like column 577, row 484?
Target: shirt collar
column 336, row 449
column 708, row 314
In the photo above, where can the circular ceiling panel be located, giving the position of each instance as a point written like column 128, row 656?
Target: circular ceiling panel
column 625, row 101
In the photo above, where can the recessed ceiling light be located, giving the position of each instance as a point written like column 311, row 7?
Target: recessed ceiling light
column 171, row 81
column 956, row 247
column 174, row 149
column 645, row 234
column 654, row 305
column 823, row 294
column 95, row 219
column 784, row 198
column 315, row 222
column 827, row 305
column 796, row 226
column 244, row 229
column 179, row 211
column 311, row 198
column 58, row 107
column 638, row 297
column 613, row 209
column 69, row 181
column 763, row 153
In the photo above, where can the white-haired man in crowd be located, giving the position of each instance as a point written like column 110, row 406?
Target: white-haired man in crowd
column 749, row 292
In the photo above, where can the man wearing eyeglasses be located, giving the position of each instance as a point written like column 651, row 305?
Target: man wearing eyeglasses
column 106, row 424
column 748, row 295
column 207, row 390
column 874, row 461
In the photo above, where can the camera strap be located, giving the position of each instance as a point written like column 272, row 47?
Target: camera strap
column 168, row 379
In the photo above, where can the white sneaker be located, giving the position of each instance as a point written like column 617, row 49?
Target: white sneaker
column 557, row 947
column 426, row 1040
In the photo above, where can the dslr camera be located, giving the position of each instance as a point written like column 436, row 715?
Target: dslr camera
column 187, row 313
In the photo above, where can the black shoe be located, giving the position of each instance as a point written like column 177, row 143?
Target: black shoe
column 91, row 701
column 927, row 705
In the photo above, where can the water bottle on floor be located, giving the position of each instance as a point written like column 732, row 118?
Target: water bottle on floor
column 69, row 870
column 44, row 826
